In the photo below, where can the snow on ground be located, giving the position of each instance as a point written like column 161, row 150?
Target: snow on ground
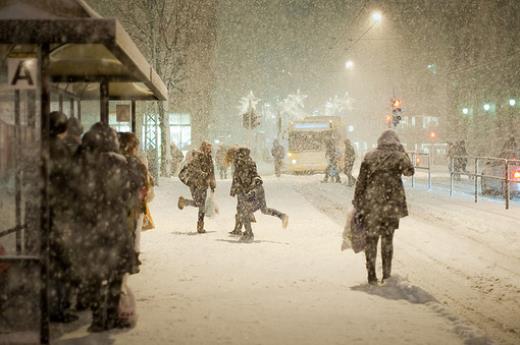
column 457, row 270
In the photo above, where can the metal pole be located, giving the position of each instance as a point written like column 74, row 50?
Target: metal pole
column 429, row 173
column 79, row 110
column 45, row 104
column 476, row 180
column 134, row 126
column 506, row 186
column 452, row 161
column 71, row 107
column 103, row 101
column 18, row 177
column 60, row 102
column 414, row 166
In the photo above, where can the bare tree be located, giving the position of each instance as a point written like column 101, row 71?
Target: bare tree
column 161, row 30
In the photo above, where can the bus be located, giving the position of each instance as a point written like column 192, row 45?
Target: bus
column 307, row 143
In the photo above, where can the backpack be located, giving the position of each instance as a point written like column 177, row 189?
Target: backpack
column 184, row 175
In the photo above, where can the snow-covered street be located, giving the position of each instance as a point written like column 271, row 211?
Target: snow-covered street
column 456, row 273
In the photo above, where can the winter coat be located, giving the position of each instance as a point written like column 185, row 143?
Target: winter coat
column 278, row 152
column 350, row 154
column 245, row 175
column 200, row 172
column 103, row 242
column 379, row 193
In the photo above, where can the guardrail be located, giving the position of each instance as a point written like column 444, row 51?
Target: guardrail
column 506, row 177
column 417, row 164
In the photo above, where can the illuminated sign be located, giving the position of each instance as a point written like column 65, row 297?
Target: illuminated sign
column 312, row 125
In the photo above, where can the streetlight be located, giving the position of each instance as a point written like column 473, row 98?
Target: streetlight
column 487, row 106
column 349, row 65
column 465, row 111
column 377, row 17
column 512, row 102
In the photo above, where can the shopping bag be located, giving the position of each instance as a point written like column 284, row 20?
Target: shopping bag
column 126, row 310
column 148, row 223
column 347, row 230
column 359, row 233
column 211, row 208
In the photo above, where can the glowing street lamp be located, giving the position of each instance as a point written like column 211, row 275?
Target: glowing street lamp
column 487, row 106
column 377, row 17
column 512, row 102
column 349, row 65
column 465, row 111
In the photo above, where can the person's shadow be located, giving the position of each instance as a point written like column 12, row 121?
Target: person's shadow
column 191, row 233
column 397, row 288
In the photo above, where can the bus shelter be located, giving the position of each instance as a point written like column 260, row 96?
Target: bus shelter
column 50, row 50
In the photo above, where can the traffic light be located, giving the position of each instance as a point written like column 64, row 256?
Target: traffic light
column 250, row 119
column 396, row 111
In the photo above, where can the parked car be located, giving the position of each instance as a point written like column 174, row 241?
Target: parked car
column 493, row 186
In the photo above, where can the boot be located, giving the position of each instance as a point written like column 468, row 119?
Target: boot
column 247, row 237
column 238, row 226
column 181, row 203
column 200, row 226
column 285, row 221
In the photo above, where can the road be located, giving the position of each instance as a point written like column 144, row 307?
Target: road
column 456, row 275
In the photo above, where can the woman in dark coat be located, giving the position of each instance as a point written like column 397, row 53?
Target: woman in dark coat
column 199, row 175
column 247, row 187
column 103, row 243
column 380, row 198
column 349, row 158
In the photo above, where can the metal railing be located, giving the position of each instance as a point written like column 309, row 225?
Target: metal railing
column 475, row 175
column 417, row 164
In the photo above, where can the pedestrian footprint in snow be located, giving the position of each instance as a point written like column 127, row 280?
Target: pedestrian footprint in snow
column 381, row 199
column 247, row 187
column 199, row 175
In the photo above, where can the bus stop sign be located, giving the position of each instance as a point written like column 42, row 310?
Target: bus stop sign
column 22, row 73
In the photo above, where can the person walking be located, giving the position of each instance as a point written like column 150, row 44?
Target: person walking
column 332, row 167
column 247, row 187
column 349, row 158
column 380, row 199
column 278, row 153
column 198, row 175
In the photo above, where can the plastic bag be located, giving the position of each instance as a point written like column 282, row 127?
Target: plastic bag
column 347, row 230
column 126, row 310
column 148, row 223
column 211, row 208
column 354, row 234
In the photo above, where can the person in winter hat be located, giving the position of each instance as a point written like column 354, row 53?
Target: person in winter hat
column 104, row 247
column 220, row 158
column 247, row 187
column 278, row 153
column 198, row 175
column 380, row 198
column 349, row 158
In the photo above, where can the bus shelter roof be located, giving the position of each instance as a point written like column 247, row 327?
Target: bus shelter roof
column 84, row 49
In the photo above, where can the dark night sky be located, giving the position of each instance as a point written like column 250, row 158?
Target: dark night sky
column 275, row 47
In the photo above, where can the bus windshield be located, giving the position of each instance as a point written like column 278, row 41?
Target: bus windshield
column 307, row 141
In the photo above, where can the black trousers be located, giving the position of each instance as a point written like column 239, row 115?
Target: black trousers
column 199, row 200
column 387, row 250
column 105, row 301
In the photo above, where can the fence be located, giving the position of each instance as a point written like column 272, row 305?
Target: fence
column 497, row 175
column 418, row 158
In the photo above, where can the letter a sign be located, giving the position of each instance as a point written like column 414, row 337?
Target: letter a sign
column 21, row 73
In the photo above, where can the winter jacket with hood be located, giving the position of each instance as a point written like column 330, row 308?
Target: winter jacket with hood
column 379, row 193
column 103, row 244
column 245, row 175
